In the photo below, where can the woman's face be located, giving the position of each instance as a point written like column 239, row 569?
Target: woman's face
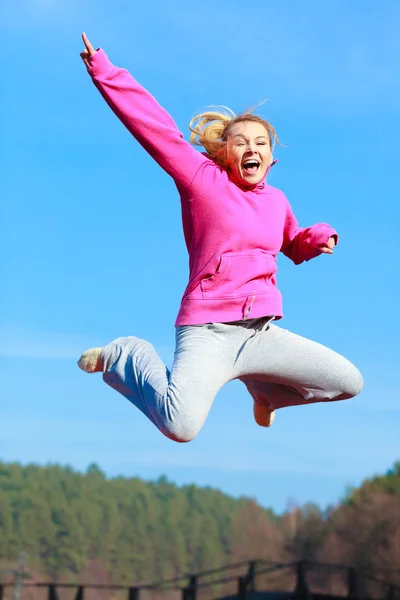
column 250, row 152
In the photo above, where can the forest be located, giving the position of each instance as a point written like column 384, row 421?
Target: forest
column 86, row 527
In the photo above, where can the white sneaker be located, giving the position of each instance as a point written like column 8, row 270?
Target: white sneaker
column 91, row 361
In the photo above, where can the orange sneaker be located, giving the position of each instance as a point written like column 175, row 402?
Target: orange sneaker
column 263, row 415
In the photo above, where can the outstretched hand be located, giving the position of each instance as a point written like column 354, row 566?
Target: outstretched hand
column 89, row 50
column 329, row 246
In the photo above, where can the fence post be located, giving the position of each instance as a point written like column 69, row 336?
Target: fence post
column 301, row 589
column 52, row 592
column 355, row 588
column 193, row 587
column 133, row 593
column 242, row 588
column 251, row 576
column 186, row 593
column 80, row 593
column 390, row 593
column 190, row 591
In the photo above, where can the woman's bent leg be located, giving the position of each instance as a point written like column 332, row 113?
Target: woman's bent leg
column 280, row 368
column 179, row 401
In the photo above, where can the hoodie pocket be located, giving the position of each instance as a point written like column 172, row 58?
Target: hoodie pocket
column 241, row 274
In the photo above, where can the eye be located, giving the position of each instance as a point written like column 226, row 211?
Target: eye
column 261, row 143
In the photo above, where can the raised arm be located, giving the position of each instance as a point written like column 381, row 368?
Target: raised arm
column 302, row 244
column 141, row 114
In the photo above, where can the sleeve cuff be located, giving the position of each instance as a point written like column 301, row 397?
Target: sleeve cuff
column 322, row 233
column 99, row 65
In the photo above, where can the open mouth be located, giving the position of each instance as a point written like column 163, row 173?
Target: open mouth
column 250, row 166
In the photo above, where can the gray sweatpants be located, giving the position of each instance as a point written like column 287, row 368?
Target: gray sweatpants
column 279, row 369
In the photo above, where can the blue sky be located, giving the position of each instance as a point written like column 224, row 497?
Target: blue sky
column 92, row 248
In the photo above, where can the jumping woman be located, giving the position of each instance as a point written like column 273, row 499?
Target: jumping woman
column 234, row 226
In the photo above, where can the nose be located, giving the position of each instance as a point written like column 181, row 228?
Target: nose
column 251, row 148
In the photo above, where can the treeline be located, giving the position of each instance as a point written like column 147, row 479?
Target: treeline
column 87, row 527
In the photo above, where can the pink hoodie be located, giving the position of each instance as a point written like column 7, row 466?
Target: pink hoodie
column 232, row 235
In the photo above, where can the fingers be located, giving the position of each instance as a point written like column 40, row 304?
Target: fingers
column 85, row 57
column 88, row 45
column 88, row 52
column 328, row 247
column 85, row 60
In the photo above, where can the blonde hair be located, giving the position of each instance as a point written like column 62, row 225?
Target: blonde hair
column 210, row 129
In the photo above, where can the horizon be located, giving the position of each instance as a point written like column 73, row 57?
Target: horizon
column 164, row 478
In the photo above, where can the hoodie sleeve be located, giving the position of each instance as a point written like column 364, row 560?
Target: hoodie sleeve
column 303, row 244
column 145, row 119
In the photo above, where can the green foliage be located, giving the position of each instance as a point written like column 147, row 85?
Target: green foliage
column 82, row 525
column 388, row 484
column 139, row 531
